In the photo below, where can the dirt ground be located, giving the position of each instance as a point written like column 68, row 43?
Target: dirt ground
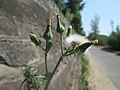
column 97, row 78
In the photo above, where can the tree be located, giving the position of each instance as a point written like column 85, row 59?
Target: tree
column 75, row 6
column 69, row 16
column 60, row 4
column 112, row 25
column 94, row 27
column 114, row 39
column 95, row 24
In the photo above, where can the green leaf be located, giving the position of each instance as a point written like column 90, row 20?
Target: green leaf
column 33, row 78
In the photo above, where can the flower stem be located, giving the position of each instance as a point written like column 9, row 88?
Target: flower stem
column 61, row 44
column 42, row 48
column 46, row 67
column 48, row 82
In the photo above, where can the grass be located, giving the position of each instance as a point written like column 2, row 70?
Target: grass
column 84, row 72
column 33, row 79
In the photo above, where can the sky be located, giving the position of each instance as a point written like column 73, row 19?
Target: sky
column 107, row 10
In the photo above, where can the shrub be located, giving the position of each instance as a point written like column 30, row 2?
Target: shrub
column 114, row 40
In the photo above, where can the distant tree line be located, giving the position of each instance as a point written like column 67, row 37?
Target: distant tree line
column 112, row 41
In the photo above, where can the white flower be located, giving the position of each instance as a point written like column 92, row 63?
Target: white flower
column 75, row 38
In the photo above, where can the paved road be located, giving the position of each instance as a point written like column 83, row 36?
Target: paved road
column 109, row 63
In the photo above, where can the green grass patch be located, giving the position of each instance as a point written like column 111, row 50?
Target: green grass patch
column 84, row 72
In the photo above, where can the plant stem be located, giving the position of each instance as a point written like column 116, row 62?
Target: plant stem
column 48, row 82
column 42, row 48
column 46, row 59
column 61, row 44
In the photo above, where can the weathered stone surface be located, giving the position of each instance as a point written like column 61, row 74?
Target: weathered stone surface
column 12, row 85
column 17, row 53
column 16, row 49
column 10, row 78
column 8, row 72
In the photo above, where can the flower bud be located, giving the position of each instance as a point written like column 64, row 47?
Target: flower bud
column 35, row 39
column 82, row 48
column 48, row 33
column 60, row 27
column 94, row 41
column 69, row 30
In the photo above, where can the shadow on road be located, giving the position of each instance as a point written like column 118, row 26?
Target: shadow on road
column 108, row 49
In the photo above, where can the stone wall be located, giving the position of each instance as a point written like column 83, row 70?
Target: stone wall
column 16, row 50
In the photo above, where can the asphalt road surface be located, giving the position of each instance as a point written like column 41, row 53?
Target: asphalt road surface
column 109, row 63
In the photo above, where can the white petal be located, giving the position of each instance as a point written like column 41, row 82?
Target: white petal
column 75, row 38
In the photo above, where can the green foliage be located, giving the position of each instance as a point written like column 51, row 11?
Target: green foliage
column 72, row 9
column 60, row 4
column 69, row 16
column 75, row 5
column 103, row 40
column 94, row 34
column 77, row 24
column 84, row 67
column 114, row 39
column 84, row 73
column 34, row 80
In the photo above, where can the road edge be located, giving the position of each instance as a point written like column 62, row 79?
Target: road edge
column 97, row 79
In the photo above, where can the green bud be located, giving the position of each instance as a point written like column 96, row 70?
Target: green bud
column 69, row 30
column 48, row 33
column 82, row 48
column 60, row 27
column 35, row 39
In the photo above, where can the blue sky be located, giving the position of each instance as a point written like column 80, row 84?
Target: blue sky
column 107, row 10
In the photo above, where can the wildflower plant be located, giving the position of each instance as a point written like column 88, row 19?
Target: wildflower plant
column 32, row 75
